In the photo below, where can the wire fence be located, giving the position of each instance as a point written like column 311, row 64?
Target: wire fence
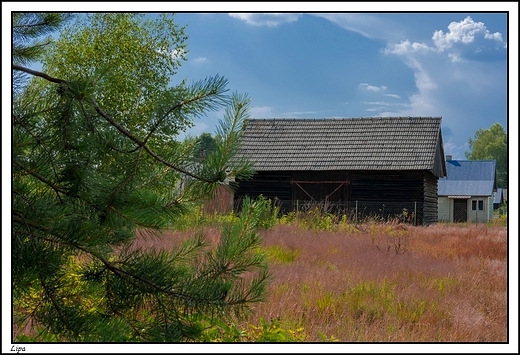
column 355, row 211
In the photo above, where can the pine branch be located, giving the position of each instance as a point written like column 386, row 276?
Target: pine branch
column 56, row 189
column 126, row 180
column 143, row 145
column 115, row 124
column 112, row 267
column 56, row 306
column 208, row 91
column 39, row 74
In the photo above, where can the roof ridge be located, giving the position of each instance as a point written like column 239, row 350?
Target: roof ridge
column 340, row 118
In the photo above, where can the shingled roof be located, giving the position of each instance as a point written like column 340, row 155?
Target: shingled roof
column 386, row 143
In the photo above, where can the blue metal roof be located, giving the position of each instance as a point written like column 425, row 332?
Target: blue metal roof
column 468, row 177
column 498, row 196
column 475, row 170
column 465, row 188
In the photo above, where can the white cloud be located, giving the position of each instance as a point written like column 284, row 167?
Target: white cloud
column 497, row 36
column 200, row 60
column 369, row 87
column 406, row 47
column 383, row 103
column 464, row 32
column 458, row 93
column 367, row 25
column 455, row 57
column 261, row 111
column 304, row 113
column 456, row 151
column 266, row 19
column 383, row 106
column 374, row 109
column 422, row 80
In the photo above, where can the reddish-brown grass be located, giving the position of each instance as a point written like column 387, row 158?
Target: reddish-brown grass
column 384, row 282
column 380, row 282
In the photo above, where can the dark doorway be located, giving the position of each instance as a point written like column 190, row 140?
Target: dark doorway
column 460, row 210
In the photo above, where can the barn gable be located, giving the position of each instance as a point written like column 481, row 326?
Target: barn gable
column 346, row 160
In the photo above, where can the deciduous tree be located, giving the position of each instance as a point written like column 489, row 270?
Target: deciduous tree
column 491, row 144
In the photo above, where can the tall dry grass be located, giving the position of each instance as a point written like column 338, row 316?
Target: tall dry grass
column 390, row 283
column 383, row 282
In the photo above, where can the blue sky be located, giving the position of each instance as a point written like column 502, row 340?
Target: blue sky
column 312, row 64
column 317, row 65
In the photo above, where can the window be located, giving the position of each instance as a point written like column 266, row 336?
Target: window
column 480, row 205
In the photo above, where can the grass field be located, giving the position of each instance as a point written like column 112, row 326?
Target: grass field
column 381, row 283
column 333, row 281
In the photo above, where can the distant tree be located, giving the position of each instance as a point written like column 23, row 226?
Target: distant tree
column 491, row 144
column 94, row 164
column 205, row 145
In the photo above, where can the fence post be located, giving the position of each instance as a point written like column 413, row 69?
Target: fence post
column 297, row 213
column 415, row 214
column 356, row 211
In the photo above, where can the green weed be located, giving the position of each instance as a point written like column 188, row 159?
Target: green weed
column 277, row 253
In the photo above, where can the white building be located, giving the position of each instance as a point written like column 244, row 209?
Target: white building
column 466, row 194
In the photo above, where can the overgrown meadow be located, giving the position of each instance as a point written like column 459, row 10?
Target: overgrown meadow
column 376, row 281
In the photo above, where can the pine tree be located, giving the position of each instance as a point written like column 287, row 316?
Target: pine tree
column 86, row 180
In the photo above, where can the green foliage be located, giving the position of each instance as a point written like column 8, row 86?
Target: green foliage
column 272, row 331
column 205, row 145
column 490, row 144
column 280, row 254
column 327, row 339
column 27, row 31
column 152, row 296
column 267, row 212
column 132, row 59
column 443, row 284
column 275, row 331
column 317, row 220
column 500, row 220
column 222, row 166
column 369, row 301
column 95, row 161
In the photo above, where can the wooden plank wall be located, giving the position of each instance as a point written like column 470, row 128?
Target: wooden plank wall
column 272, row 185
column 393, row 189
column 430, row 212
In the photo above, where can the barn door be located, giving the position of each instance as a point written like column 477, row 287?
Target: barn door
column 460, row 210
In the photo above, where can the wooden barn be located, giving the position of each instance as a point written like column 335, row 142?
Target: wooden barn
column 387, row 166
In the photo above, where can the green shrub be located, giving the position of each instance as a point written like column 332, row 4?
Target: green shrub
column 274, row 331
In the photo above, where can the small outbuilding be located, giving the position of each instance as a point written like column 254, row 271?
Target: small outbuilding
column 466, row 194
column 387, row 166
